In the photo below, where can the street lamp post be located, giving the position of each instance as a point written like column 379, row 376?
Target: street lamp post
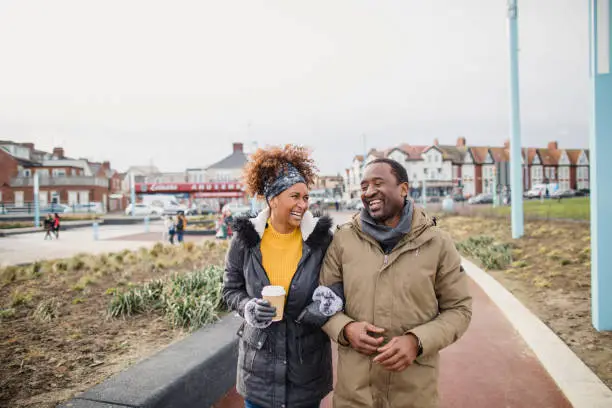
column 515, row 142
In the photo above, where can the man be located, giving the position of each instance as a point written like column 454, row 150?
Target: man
column 406, row 297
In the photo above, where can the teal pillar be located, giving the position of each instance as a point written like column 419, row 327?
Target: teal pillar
column 600, row 164
column 516, row 167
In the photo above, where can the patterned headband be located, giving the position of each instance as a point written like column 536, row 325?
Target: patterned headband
column 287, row 177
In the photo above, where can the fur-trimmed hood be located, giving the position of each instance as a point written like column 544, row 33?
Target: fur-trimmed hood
column 316, row 232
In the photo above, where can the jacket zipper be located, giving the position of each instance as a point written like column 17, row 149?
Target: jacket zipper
column 386, row 260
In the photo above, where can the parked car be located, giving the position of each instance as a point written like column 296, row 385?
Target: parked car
column 173, row 208
column 484, row 198
column 89, row 208
column 563, row 194
column 459, row 198
column 55, row 208
column 238, row 210
column 583, row 192
column 143, row 209
column 203, row 209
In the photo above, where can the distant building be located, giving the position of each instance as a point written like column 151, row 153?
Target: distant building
column 62, row 179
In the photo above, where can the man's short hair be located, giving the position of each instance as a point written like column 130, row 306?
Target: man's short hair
column 396, row 168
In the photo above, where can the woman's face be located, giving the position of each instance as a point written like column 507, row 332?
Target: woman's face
column 289, row 206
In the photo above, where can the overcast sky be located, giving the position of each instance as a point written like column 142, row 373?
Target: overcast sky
column 176, row 82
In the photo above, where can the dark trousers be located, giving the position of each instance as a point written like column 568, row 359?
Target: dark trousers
column 179, row 235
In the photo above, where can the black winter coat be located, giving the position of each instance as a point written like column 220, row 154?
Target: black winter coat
column 287, row 364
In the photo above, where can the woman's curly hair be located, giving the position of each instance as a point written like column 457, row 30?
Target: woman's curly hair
column 266, row 164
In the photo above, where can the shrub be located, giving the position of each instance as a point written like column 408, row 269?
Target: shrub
column 76, row 263
column 7, row 313
column 125, row 304
column 9, row 274
column 47, row 310
column 490, row 254
column 20, row 298
column 188, row 301
column 60, row 266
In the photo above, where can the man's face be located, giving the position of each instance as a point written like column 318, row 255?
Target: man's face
column 383, row 197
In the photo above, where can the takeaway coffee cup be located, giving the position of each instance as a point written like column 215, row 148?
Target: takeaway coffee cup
column 276, row 296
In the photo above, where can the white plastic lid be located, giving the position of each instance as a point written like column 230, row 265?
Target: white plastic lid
column 273, row 291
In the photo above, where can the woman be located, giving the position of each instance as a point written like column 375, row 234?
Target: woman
column 285, row 363
column 56, row 225
column 181, row 224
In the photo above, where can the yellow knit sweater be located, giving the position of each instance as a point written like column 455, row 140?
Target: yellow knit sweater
column 281, row 254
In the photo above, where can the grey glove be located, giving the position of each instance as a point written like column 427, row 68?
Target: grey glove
column 327, row 301
column 259, row 313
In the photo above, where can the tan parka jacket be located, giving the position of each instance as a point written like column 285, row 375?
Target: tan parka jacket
column 419, row 287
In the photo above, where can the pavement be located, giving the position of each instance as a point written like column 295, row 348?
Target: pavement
column 26, row 248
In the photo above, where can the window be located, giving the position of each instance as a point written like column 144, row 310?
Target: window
column 59, row 172
column 425, row 171
column 27, row 173
column 43, row 172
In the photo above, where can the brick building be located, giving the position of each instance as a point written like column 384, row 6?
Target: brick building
column 62, row 179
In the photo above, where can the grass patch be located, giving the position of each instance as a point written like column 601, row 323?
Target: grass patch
column 7, row 313
column 187, row 301
column 20, row 298
column 47, row 310
column 570, row 208
column 492, row 255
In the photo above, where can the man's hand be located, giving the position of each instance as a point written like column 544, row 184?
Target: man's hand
column 399, row 353
column 357, row 335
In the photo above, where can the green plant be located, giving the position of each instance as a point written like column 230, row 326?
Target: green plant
column 20, row 298
column 7, row 313
column 47, row 310
column 76, row 263
column 492, row 255
column 187, row 301
column 9, row 274
column 60, row 266
column 77, row 300
column 519, row 264
column 565, row 262
column 126, row 304
column 110, row 291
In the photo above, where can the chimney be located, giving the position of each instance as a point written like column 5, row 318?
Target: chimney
column 461, row 142
column 28, row 145
column 238, row 147
column 436, row 142
column 507, row 144
column 58, row 152
column 553, row 145
column 106, row 165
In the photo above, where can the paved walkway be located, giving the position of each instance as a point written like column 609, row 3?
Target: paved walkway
column 32, row 247
column 490, row 367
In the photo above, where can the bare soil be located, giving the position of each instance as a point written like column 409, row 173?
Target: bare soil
column 43, row 363
column 551, row 276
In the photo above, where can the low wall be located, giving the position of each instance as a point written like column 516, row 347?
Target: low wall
column 196, row 372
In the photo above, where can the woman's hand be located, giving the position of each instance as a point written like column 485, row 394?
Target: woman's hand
column 259, row 313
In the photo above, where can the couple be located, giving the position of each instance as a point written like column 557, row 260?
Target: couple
column 388, row 288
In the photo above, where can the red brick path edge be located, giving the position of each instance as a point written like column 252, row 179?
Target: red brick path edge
column 490, row 367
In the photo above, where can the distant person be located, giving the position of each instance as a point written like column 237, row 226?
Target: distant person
column 181, row 224
column 168, row 229
column 48, row 224
column 56, row 225
column 337, row 205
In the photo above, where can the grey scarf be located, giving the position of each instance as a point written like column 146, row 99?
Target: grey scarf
column 388, row 237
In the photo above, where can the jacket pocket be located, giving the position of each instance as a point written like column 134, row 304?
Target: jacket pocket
column 252, row 350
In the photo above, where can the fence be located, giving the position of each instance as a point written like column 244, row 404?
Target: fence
column 28, row 208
